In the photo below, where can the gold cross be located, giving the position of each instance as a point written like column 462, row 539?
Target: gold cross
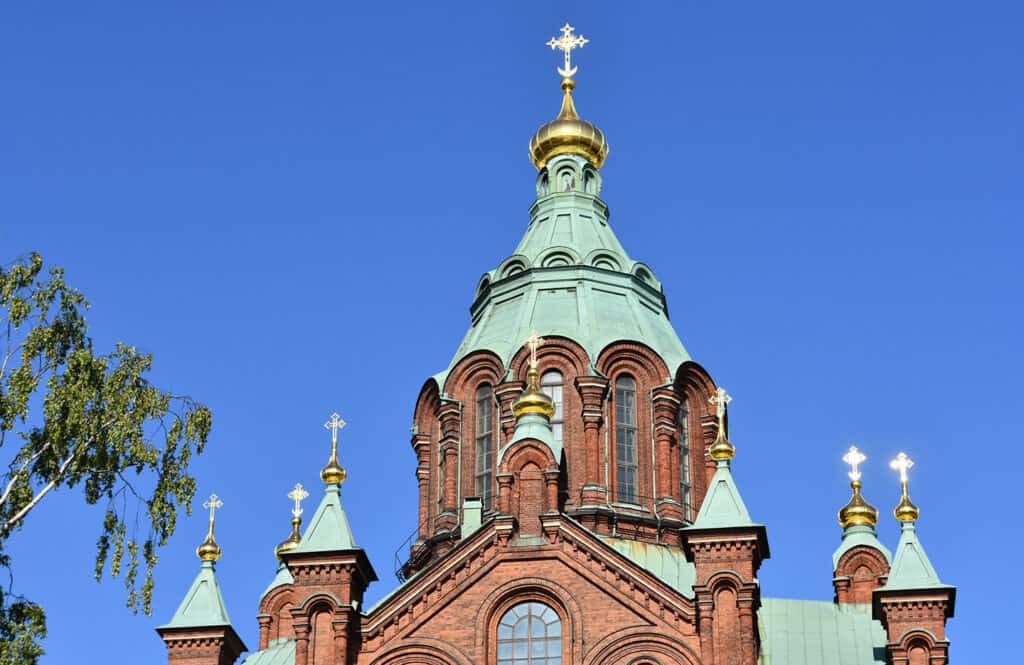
column 534, row 342
column 854, row 458
column 213, row 504
column 334, row 424
column 902, row 463
column 567, row 42
column 720, row 399
column 297, row 495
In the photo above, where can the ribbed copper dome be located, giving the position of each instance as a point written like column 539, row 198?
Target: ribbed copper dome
column 568, row 134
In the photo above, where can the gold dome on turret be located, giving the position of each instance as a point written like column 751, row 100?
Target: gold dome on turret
column 568, row 134
column 533, row 399
column 722, row 449
column 210, row 550
column 292, row 541
column 905, row 510
column 857, row 510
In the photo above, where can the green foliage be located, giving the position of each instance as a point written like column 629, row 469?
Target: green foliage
column 72, row 418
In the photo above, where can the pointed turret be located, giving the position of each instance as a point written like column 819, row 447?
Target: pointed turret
column 200, row 632
column 727, row 549
column 914, row 604
column 330, row 573
column 860, row 563
column 534, row 408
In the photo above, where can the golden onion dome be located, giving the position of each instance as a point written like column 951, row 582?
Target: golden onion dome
column 906, row 511
column 533, row 399
column 293, row 539
column 857, row 511
column 568, row 134
column 209, row 550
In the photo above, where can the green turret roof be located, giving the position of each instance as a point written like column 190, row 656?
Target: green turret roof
column 283, row 576
column 855, row 536
column 203, row 605
column 723, row 506
column 911, row 568
column 329, row 529
column 570, row 277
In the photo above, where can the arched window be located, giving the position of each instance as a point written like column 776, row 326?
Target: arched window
column 530, row 634
column 625, row 439
column 551, row 383
column 685, row 488
column 485, row 445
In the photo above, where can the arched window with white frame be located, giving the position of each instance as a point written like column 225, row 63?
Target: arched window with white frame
column 530, row 633
column 552, row 385
column 485, row 445
column 625, row 440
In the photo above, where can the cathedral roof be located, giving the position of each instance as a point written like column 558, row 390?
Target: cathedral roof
column 814, row 632
column 856, row 536
column 329, row 529
column 723, row 506
column 569, row 277
column 203, row 605
column 278, row 652
column 911, row 568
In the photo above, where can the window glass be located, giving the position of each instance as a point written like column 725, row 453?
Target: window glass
column 530, row 634
column 685, row 488
column 485, row 445
column 551, row 384
column 625, row 439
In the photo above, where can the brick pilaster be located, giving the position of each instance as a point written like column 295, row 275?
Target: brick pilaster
column 592, row 390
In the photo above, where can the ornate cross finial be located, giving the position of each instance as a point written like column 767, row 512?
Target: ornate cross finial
column 902, row 463
column 213, row 503
column 334, row 424
column 567, row 42
column 534, row 342
column 297, row 494
column 720, row 399
column 854, row 458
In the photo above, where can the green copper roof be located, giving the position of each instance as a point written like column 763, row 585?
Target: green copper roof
column 723, row 506
column 570, row 277
column 814, row 632
column 534, row 426
column 329, row 530
column 855, row 536
column 279, row 652
column 203, row 605
column 666, row 563
column 911, row 568
column 283, row 576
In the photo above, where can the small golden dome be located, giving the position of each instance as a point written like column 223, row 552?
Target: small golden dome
column 209, row 550
column 722, row 448
column 568, row 134
column 857, row 510
column 533, row 400
column 334, row 473
column 906, row 511
column 293, row 539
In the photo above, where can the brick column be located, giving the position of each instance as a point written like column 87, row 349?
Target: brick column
column 264, row 621
column 666, row 410
column 915, row 624
column 505, row 493
column 449, row 415
column 340, row 626
column 592, row 391
column 301, row 627
column 421, row 445
column 551, row 481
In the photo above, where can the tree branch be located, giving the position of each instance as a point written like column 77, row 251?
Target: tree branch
column 14, row 478
column 18, row 516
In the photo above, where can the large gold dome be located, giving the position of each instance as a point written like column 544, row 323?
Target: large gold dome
column 568, row 134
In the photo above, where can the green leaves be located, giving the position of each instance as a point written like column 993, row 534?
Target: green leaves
column 78, row 419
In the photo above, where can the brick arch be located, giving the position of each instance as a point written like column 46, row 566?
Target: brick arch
column 527, row 589
column 473, row 369
column 649, row 371
column 427, row 404
column 865, row 569
column 422, row 652
column 275, row 605
column 563, row 352
column 695, row 385
column 527, row 451
column 323, row 600
column 641, row 645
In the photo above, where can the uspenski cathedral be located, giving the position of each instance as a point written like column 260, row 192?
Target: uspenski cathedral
column 577, row 503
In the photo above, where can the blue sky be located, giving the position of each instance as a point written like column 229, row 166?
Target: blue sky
column 289, row 205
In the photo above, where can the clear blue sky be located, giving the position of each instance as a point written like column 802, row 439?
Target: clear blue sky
column 289, row 205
